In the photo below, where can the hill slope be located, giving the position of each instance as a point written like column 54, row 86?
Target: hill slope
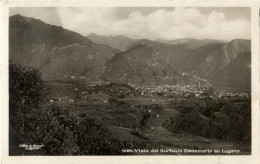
column 56, row 52
column 144, row 66
column 237, row 73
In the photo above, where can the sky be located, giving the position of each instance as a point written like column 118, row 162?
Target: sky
column 225, row 23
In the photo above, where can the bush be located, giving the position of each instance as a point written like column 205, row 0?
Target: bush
column 231, row 123
column 190, row 122
column 63, row 133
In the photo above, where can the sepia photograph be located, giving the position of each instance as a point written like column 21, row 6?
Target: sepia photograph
column 129, row 81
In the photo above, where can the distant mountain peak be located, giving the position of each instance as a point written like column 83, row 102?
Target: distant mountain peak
column 23, row 19
column 238, row 42
column 143, row 44
column 93, row 34
column 116, row 41
column 36, row 31
column 239, row 45
column 17, row 16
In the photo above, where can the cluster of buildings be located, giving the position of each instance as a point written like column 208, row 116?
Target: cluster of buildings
column 188, row 91
column 227, row 95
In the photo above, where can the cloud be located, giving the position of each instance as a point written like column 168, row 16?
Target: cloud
column 162, row 23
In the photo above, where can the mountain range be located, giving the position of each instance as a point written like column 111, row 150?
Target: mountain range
column 60, row 53
column 208, row 61
column 207, row 58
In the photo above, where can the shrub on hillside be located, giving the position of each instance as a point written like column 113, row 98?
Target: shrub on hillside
column 190, row 122
column 231, row 123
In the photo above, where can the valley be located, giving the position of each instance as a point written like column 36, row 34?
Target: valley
column 152, row 117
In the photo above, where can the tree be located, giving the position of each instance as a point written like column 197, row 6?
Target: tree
column 35, row 121
column 26, row 91
column 26, row 88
